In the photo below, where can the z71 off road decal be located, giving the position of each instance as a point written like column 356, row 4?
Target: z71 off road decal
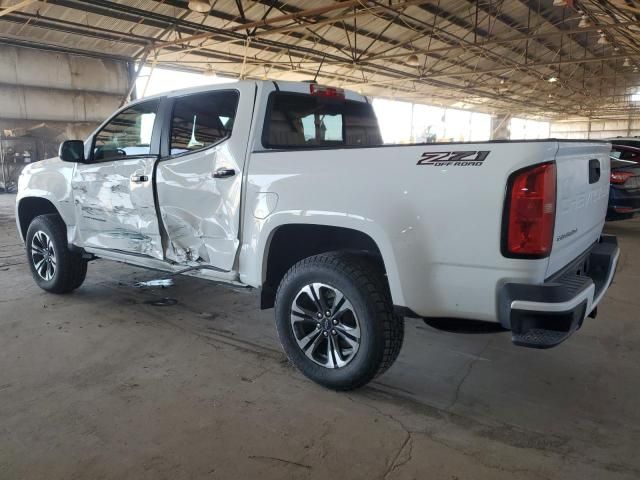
column 454, row 159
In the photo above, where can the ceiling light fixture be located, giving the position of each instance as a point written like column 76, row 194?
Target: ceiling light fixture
column 559, row 3
column 626, row 63
column 552, row 79
column 413, row 60
column 200, row 6
column 584, row 22
column 603, row 39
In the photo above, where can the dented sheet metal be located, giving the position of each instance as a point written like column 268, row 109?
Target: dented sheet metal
column 113, row 212
column 200, row 213
column 158, row 282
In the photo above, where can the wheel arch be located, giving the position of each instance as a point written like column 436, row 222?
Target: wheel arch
column 289, row 243
column 29, row 208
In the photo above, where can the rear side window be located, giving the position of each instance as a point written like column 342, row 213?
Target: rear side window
column 625, row 154
column 304, row 121
column 202, row 120
column 630, row 155
column 626, row 164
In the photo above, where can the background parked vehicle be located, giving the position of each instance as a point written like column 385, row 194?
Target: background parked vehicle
column 624, row 194
column 626, row 141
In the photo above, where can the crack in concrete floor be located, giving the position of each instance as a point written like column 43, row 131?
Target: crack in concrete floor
column 426, row 434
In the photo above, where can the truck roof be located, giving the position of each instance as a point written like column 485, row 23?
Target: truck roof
column 285, row 85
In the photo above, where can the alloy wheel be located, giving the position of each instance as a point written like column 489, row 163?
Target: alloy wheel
column 325, row 325
column 43, row 255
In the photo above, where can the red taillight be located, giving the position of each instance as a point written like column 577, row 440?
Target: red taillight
column 327, row 92
column 619, row 178
column 531, row 211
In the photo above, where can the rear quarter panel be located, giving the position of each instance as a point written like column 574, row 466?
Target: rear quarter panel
column 437, row 224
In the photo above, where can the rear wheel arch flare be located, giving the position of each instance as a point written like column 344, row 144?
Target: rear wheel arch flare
column 288, row 244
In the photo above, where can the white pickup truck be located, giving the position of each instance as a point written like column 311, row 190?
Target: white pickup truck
column 286, row 187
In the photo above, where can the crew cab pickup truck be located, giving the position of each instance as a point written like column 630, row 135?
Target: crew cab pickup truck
column 286, row 187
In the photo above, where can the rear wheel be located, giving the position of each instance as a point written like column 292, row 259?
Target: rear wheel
column 336, row 322
column 54, row 267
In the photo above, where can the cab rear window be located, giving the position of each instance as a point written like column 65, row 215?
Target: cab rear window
column 303, row 121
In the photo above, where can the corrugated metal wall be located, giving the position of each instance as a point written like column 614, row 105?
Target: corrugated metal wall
column 597, row 129
column 69, row 93
column 46, row 97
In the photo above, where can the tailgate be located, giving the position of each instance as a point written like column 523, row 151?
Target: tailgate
column 582, row 199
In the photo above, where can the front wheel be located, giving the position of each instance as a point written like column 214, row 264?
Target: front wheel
column 336, row 322
column 54, row 267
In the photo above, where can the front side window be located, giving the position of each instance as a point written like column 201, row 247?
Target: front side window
column 300, row 120
column 202, row 120
column 128, row 133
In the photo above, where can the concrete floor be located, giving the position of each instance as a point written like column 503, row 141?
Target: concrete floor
column 99, row 384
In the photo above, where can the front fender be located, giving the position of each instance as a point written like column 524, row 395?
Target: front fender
column 48, row 180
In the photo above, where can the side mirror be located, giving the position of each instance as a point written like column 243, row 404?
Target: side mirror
column 72, row 151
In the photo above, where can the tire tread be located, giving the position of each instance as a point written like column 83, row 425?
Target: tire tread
column 72, row 268
column 365, row 273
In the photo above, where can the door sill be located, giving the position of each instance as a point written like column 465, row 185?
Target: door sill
column 207, row 272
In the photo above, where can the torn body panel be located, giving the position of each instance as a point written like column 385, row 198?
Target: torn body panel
column 113, row 211
column 200, row 213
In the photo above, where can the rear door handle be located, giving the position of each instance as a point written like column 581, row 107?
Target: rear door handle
column 139, row 178
column 224, row 173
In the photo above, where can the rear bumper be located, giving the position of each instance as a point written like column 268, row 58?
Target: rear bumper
column 621, row 212
column 544, row 315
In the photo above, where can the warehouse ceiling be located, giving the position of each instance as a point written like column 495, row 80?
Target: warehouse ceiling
column 549, row 58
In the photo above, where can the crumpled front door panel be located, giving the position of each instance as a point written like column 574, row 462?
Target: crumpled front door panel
column 114, row 213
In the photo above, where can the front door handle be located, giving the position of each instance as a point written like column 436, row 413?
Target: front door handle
column 139, row 178
column 224, row 173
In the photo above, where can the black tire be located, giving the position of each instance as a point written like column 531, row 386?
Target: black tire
column 70, row 268
column 363, row 284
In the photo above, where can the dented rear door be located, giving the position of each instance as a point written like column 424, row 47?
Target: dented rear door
column 199, row 180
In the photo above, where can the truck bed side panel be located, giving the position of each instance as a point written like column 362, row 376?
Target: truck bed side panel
column 435, row 212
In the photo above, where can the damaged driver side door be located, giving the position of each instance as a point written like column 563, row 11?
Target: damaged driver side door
column 113, row 188
column 199, row 177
